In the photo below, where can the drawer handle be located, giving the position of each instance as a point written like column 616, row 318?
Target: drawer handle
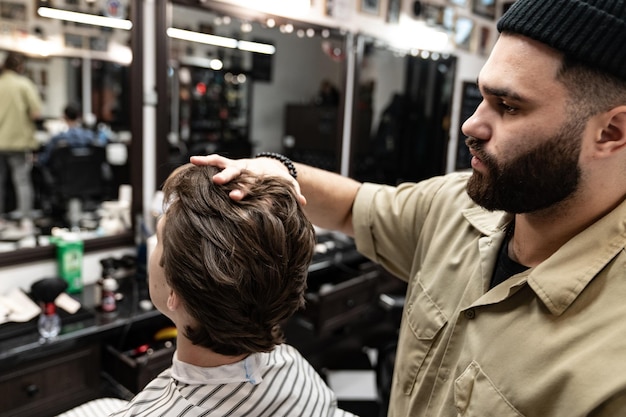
column 32, row 390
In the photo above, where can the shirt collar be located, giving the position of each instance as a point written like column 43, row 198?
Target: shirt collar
column 246, row 370
column 560, row 279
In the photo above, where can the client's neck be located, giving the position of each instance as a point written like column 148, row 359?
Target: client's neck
column 201, row 356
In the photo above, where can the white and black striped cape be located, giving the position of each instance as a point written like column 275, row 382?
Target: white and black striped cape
column 280, row 383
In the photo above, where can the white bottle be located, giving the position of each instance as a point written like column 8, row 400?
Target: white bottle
column 109, row 286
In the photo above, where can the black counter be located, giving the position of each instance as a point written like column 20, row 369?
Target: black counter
column 20, row 342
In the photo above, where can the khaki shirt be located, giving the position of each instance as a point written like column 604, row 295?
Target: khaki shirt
column 549, row 342
column 19, row 99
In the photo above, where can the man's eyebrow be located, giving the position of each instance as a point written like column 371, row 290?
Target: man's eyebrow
column 503, row 93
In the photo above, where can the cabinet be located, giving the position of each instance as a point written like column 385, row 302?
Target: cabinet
column 134, row 370
column 314, row 135
column 135, row 373
column 41, row 379
column 52, row 384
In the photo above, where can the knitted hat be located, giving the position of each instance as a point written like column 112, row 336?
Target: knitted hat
column 590, row 31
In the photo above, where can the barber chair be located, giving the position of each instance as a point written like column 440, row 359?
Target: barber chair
column 78, row 179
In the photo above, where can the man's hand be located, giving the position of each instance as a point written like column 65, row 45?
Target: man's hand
column 232, row 168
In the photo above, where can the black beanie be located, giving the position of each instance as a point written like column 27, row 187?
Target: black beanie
column 590, row 31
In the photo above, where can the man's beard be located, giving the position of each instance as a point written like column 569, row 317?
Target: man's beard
column 532, row 181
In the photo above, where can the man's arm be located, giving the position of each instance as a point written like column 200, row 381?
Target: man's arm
column 34, row 101
column 327, row 197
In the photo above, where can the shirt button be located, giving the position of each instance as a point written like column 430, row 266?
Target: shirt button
column 470, row 314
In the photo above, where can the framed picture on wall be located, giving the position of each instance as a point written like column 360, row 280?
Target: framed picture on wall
column 337, row 8
column 449, row 18
column 484, row 8
column 98, row 43
column 484, row 40
column 12, row 11
column 370, row 7
column 463, row 32
column 462, row 3
column 393, row 11
column 329, row 8
column 72, row 40
column 433, row 14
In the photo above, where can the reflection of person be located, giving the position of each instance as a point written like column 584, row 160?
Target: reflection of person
column 75, row 136
column 228, row 273
column 515, row 301
column 19, row 107
column 328, row 94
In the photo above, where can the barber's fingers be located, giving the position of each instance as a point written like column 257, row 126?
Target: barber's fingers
column 215, row 160
column 230, row 168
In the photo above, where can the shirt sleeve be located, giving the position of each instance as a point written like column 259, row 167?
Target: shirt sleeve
column 33, row 99
column 614, row 406
column 389, row 222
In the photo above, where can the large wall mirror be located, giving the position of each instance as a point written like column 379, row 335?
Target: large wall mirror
column 237, row 81
column 403, row 103
column 241, row 83
column 88, row 67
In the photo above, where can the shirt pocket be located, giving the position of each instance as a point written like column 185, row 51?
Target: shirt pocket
column 475, row 395
column 423, row 321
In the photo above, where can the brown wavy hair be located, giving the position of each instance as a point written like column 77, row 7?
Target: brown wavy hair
column 240, row 267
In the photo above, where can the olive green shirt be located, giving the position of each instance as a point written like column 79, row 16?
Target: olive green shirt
column 19, row 99
column 549, row 342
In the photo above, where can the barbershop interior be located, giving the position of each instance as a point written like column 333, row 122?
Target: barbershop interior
column 376, row 90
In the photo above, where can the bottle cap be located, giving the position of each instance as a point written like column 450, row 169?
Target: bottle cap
column 109, row 284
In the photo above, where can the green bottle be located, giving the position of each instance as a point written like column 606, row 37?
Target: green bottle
column 70, row 262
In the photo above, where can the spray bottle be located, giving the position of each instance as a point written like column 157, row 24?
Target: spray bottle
column 46, row 291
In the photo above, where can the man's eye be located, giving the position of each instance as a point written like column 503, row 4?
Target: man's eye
column 506, row 108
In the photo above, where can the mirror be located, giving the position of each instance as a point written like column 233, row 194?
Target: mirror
column 292, row 101
column 259, row 90
column 89, row 66
column 403, row 105
column 100, row 89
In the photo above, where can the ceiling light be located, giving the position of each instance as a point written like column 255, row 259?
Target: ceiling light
column 89, row 19
column 187, row 35
column 261, row 48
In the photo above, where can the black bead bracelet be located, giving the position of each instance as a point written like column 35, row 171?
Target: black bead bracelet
column 282, row 158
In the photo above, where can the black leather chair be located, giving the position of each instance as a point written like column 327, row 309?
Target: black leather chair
column 77, row 173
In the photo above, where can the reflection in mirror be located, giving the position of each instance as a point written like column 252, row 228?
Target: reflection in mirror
column 76, row 189
column 260, row 89
column 402, row 118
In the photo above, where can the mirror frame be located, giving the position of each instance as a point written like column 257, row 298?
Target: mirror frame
column 43, row 253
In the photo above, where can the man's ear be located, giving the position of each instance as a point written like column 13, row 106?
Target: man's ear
column 172, row 301
column 613, row 134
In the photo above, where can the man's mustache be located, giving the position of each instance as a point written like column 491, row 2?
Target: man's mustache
column 474, row 144
column 477, row 148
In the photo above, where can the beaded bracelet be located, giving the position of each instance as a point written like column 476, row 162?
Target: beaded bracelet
column 282, row 158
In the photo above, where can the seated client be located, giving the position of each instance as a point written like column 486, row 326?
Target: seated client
column 75, row 136
column 228, row 273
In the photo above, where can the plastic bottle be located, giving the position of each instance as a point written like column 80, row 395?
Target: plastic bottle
column 49, row 324
column 109, row 286
column 70, row 261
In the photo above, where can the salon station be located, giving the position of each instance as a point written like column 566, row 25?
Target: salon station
column 373, row 89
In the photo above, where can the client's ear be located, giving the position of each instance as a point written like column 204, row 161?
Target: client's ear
column 172, row 301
